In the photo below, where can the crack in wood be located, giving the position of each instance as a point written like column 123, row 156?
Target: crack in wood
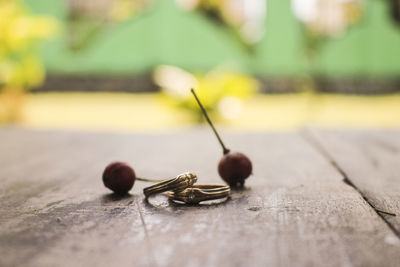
column 385, row 212
column 313, row 141
column 146, row 234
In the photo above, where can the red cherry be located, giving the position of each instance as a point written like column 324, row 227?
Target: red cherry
column 119, row 177
column 234, row 168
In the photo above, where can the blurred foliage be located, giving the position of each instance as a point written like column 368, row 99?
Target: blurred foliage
column 20, row 66
column 395, row 11
column 122, row 10
column 220, row 91
column 87, row 19
column 324, row 19
column 243, row 20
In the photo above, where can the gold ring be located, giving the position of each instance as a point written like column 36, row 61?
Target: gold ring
column 199, row 193
column 179, row 183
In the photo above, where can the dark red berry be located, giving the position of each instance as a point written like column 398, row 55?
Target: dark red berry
column 119, row 177
column 234, row 168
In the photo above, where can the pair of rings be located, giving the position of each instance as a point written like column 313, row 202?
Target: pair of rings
column 182, row 189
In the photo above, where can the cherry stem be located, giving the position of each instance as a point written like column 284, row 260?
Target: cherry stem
column 150, row 180
column 225, row 150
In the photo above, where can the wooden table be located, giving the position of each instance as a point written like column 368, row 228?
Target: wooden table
column 317, row 198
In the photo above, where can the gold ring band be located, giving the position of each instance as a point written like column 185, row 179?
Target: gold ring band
column 198, row 193
column 176, row 184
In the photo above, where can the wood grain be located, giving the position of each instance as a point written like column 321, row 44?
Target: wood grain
column 370, row 160
column 294, row 211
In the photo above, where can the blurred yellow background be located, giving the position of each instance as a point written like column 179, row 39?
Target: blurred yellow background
column 259, row 65
column 148, row 112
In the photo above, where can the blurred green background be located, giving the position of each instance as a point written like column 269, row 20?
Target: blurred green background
column 166, row 34
column 257, row 64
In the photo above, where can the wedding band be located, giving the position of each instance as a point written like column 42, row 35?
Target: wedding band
column 198, row 193
column 176, row 184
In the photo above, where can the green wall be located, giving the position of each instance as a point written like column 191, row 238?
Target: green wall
column 167, row 35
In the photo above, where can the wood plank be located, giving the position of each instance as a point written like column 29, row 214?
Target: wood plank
column 295, row 210
column 44, row 163
column 371, row 161
column 49, row 185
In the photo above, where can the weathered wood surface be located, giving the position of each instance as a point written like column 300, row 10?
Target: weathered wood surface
column 370, row 160
column 295, row 211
